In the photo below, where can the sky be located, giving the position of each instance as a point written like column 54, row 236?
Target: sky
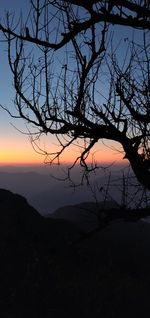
column 16, row 147
column 17, row 153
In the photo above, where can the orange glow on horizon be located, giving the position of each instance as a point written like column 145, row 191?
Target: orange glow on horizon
column 35, row 159
column 14, row 152
column 24, row 154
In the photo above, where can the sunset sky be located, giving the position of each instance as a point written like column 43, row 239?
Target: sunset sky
column 16, row 148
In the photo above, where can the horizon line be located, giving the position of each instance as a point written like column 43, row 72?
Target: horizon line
column 15, row 164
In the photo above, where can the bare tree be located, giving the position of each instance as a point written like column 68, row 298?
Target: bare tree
column 60, row 57
column 135, row 14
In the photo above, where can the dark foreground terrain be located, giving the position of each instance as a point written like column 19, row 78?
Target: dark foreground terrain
column 49, row 269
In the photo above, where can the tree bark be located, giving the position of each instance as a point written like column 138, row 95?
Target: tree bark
column 140, row 167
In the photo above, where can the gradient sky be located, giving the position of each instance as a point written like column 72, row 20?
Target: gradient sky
column 16, row 148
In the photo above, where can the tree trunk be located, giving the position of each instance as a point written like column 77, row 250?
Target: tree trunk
column 140, row 167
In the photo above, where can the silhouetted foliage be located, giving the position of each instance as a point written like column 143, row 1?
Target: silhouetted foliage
column 72, row 79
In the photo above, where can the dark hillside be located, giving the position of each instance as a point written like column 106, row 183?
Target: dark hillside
column 47, row 271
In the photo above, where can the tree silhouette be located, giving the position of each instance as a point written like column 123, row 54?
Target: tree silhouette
column 72, row 82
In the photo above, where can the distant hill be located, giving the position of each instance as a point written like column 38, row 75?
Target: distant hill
column 85, row 214
column 20, row 221
column 42, row 191
column 47, row 194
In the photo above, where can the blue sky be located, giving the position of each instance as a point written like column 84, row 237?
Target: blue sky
column 12, row 141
